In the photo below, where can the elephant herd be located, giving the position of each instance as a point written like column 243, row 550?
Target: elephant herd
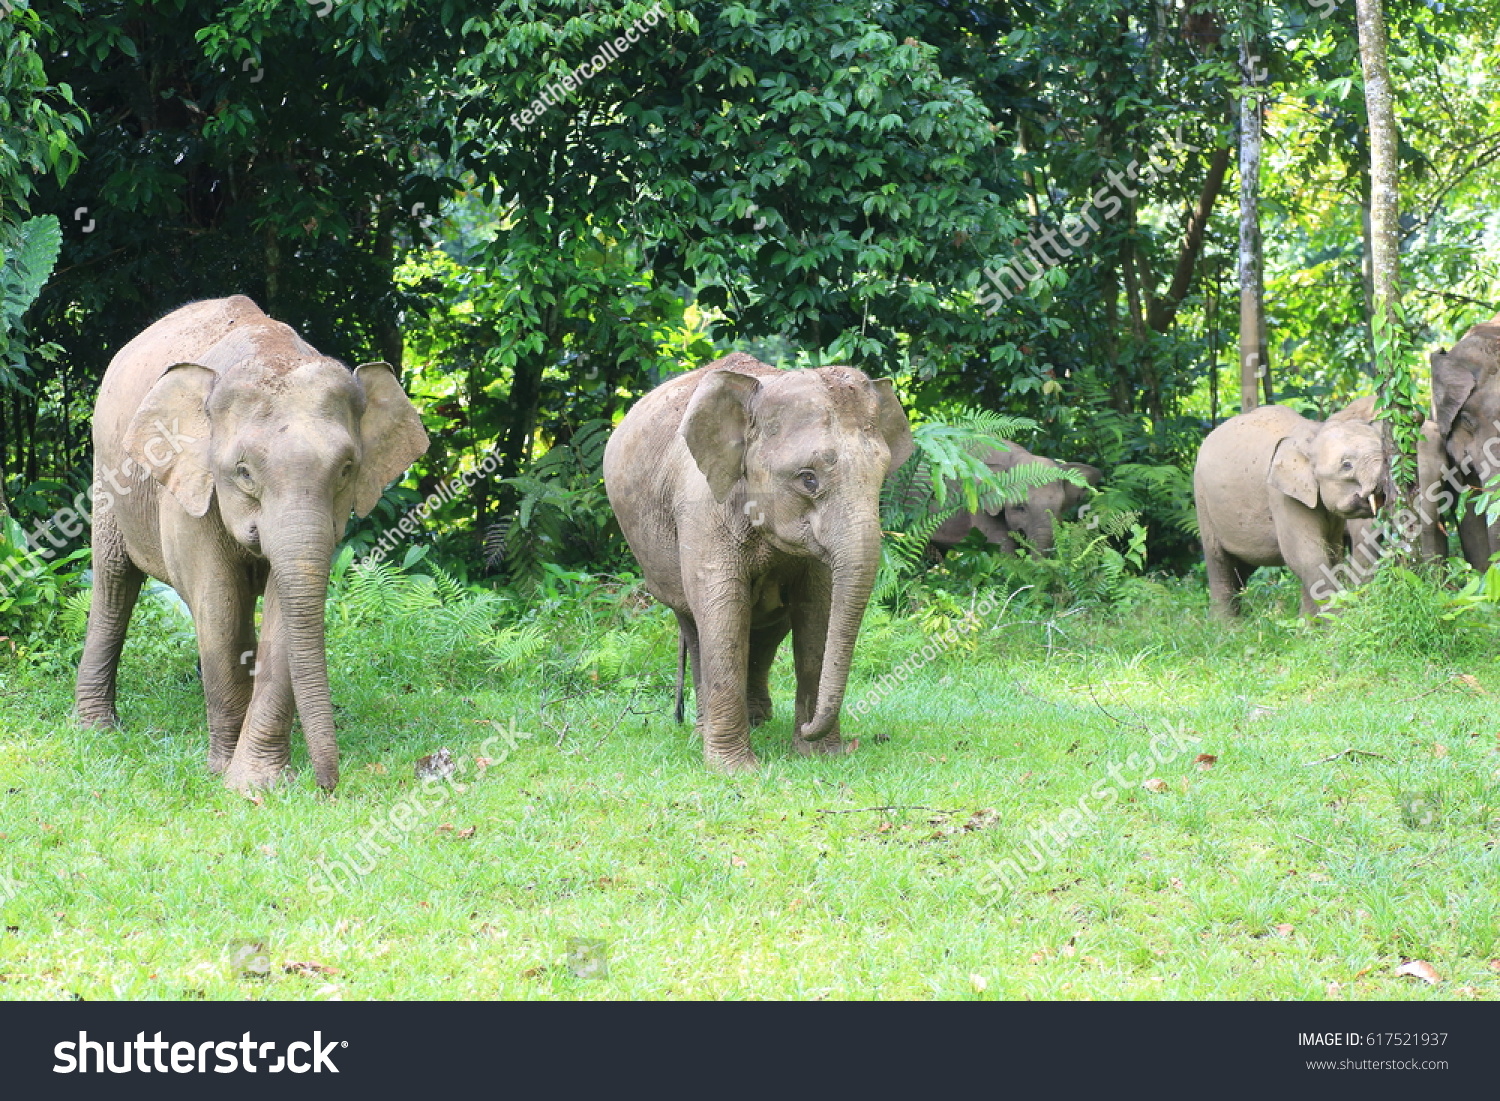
column 229, row 453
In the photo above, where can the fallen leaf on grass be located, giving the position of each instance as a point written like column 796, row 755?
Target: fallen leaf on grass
column 1469, row 680
column 309, row 969
column 461, row 834
column 1420, row 969
column 1495, row 965
column 1439, row 749
column 436, row 766
column 948, row 827
column 1156, row 784
column 979, row 983
column 1284, row 929
column 737, row 861
column 1205, row 761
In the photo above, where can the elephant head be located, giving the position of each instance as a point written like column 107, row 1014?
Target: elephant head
column 799, row 457
column 284, row 442
column 1034, row 516
column 1466, row 400
column 1031, row 517
column 1343, row 465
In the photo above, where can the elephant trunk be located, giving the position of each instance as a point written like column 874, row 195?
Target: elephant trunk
column 854, row 571
column 300, row 558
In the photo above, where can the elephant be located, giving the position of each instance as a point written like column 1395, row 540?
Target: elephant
column 750, row 496
column 1466, row 407
column 1364, row 541
column 1031, row 518
column 228, row 455
column 1273, row 488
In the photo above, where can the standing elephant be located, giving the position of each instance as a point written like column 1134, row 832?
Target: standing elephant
column 1466, row 407
column 1031, row 518
column 1275, row 489
column 751, row 498
column 1366, row 544
column 228, row 455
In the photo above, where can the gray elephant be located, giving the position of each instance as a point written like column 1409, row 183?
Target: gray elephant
column 1275, row 489
column 751, row 498
column 1031, row 518
column 1466, row 407
column 228, row 455
column 1365, row 543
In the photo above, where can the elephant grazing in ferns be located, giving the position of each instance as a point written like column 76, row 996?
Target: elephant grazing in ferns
column 1031, row 516
column 228, row 454
column 751, row 498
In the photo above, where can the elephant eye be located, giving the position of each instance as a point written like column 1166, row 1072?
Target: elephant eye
column 242, row 472
column 809, row 480
column 1347, row 465
column 348, row 470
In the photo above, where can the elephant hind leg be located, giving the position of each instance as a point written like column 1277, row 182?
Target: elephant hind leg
column 687, row 655
column 764, row 642
column 117, row 586
column 1226, row 579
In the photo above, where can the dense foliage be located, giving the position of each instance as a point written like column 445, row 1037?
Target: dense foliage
column 1025, row 209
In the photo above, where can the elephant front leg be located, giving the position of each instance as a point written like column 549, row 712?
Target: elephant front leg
column 263, row 752
column 810, row 602
column 223, row 608
column 723, row 619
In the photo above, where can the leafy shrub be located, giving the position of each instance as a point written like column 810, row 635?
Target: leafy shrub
column 563, row 516
column 1410, row 610
column 1095, row 561
column 34, row 590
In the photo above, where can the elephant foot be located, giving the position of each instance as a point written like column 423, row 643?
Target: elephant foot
column 759, row 711
column 828, row 746
column 247, row 779
column 220, row 756
column 732, row 764
column 97, row 718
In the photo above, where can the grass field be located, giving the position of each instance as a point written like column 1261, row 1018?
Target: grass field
column 1322, row 809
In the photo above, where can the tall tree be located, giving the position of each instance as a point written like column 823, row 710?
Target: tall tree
column 1395, row 382
column 1254, row 353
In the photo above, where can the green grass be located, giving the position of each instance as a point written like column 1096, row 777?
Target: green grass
column 1346, row 825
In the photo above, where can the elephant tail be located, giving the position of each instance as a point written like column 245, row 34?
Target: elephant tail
column 681, row 670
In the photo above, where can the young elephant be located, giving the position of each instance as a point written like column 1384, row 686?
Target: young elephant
column 228, row 455
column 751, row 498
column 1275, row 489
column 1366, row 544
column 1031, row 518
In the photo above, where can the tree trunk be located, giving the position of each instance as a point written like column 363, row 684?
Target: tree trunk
column 1396, row 396
column 1254, row 357
column 1164, row 310
column 1385, row 197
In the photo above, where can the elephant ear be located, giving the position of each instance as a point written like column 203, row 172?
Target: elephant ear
column 715, row 425
column 1072, row 493
column 891, row 420
column 168, row 437
column 391, row 436
column 1452, row 384
column 1292, row 473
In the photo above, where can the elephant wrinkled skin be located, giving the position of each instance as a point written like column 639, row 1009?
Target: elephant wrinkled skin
column 1466, row 407
column 1275, row 489
column 1031, row 518
column 228, row 455
column 751, row 498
